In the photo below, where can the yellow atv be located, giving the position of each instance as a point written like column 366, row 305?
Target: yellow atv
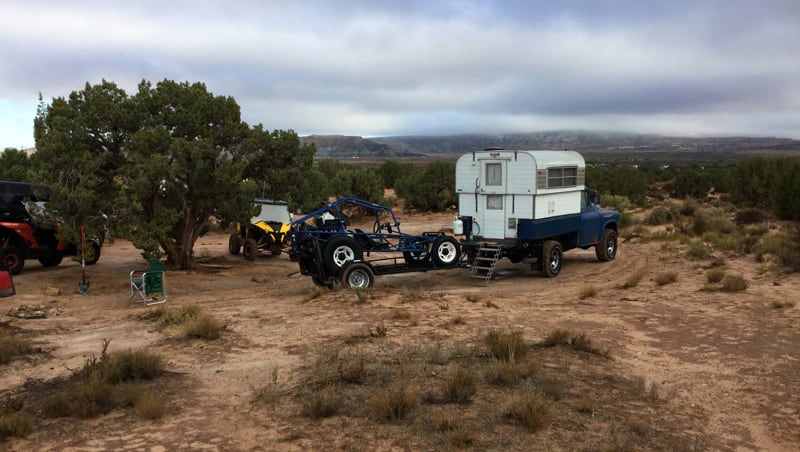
column 266, row 232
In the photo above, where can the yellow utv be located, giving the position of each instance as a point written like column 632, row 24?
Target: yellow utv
column 268, row 231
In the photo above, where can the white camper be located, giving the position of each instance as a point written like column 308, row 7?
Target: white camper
column 498, row 187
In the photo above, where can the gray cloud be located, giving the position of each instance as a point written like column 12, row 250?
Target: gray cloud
column 367, row 67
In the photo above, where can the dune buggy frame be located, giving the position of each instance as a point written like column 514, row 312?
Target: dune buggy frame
column 329, row 251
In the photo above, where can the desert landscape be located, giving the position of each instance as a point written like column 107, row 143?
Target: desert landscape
column 617, row 356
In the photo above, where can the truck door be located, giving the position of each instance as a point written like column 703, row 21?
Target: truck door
column 591, row 221
column 492, row 200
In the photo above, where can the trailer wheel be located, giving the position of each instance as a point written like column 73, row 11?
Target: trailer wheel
column 446, row 251
column 606, row 249
column 552, row 254
column 250, row 249
column 234, row 244
column 358, row 275
column 11, row 260
column 339, row 251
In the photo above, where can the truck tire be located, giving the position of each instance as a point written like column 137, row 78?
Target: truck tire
column 606, row 249
column 339, row 251
column 552, row 256
column 357, row 275
column 446, row 251
column 51, row 261
column 234, row 244
column 12, row 260
column 250, row 249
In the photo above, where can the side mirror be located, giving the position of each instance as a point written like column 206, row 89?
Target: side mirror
column 594, row 196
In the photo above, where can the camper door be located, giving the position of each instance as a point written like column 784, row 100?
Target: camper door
column 491, row 205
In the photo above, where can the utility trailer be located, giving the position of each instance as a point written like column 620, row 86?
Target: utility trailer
column 330, row 251
column 528, row 204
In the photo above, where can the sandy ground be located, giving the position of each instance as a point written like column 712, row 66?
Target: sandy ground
column 730, row 360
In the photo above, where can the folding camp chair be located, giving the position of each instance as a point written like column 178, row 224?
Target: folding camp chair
column 6, row 284
column 147, row 286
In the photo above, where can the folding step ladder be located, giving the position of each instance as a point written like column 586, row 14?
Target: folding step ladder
column 485, row 262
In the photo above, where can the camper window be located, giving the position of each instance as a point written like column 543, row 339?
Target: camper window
column 494, row 174
column 562, row 177
column 494, row 202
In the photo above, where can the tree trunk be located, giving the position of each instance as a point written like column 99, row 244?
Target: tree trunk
column 180, row 251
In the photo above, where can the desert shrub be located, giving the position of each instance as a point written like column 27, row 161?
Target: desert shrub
column 784, row 246
column 750, row 216
column 270, row 392
column 734, row 283
column 531, row 410
column 689, row 207
column 395, row 404
column 587, row 291
column 662, row 215
column 508, row 373
column 506, row 346
column 715, row 275
column 460, row 384
column 12, row 347
column 582, row 342
column 149, row 405
column 177, row 315
column 15, row 424
column 320, row 403
column 713, row 219
column 665, row 278
column 696, row 249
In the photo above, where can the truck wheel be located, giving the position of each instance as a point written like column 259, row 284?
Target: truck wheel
column 358, row 275
column 234, row 244
column 552, row 254
column 12, row 259
column 339, row 251
column 250, row 249
column 92, row 254
column 446, row 251
column 606, row 249
column 51, row 261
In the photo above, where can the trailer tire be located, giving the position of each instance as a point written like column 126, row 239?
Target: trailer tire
column 234, row 244
column 250, row 249
column 606, row 249
column 446, row 251
column 552, row 255
column 12, row 260
column 357, row 275
column 338, row 252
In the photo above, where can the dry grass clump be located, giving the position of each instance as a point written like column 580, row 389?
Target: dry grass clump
column 577, row 341
column 533, row 410
column 508, row 373
column 633, row 280
column 194, row 323
column 12, row 347
column 696, row 249
column 204, row 326
column 665, row 278
column 318, row 403
column 460, row 384
column 715, row 275
column 734, row 283
column 506, row 346
column 782, row 304
column 149, row 405
column 108, row 382
column 587, row 291
column 395, row 404
column 15, row 424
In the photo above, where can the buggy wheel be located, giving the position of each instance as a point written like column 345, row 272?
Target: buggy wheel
column 358, row 275
column 11, row 259
column 51, row 261
column 446, row 251
column 234, row 244
column 92, row 254
column 415, row 257
column 250, row 249
column 339, row 251
column 606, row 249
column 551, row 255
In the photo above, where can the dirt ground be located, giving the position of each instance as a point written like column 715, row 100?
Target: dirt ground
column 729, row 362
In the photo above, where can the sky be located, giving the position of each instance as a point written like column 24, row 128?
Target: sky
column 427, row 67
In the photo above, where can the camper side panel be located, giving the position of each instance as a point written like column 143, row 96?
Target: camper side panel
column 556, row 204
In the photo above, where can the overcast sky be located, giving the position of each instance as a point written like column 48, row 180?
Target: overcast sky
column 373, row 68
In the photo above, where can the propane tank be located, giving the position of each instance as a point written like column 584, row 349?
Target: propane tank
column 458, row 226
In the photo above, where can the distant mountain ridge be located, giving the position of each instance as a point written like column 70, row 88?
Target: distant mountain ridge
column 608, row 144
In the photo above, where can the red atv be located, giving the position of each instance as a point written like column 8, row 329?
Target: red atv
column 21, row 238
